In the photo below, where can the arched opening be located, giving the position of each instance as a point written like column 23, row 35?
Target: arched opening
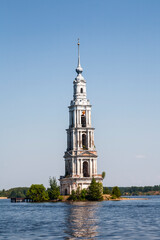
column 72, row 120
column 74, row 89
column 84, row 141
column 81, row 90
column 85, row 169
column 83, row 119
column 66, row 191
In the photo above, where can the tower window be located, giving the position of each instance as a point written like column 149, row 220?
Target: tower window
column 85, row 169
column 81, row 90
column 84, row 141
column 83, row 119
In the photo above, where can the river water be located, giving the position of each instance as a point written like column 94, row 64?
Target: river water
column 129, row 219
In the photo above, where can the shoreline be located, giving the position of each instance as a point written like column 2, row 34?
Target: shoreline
column 106, row 197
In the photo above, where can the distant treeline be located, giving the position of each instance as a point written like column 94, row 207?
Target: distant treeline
column 19, row 192
column 130, row 191
column 135, row 191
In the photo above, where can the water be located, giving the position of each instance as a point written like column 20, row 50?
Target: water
column 137, row 219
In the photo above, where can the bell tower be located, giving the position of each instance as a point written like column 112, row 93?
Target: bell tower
column 80, row 156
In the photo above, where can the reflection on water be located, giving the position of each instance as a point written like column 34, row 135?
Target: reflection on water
column 82, row 220
column 122, row 220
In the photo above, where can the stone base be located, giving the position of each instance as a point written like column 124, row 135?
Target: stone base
column 71, row 183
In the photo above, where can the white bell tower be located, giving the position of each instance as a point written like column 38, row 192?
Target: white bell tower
column 81, row 155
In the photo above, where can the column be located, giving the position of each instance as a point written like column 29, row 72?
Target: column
column 77, row 118
column 88, row 139
column 74, row 117
column 95, row 166
column 90, row 168
column 81, row 168
column 74, row 140
column 80, row 139
column 77, row 166
column 80, row 119
column 79, row 136
column 92, row 139
column 71, row 140
column 89, row 118
column 77, row 139
column 72, row 167
column 86, row 118
column 69, row 118
column 67, row 140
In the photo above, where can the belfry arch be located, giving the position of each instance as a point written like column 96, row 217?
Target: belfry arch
column 85, row 169
column 84, row 141
column 83, row 120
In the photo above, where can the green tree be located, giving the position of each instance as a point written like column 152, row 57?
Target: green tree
column 78, row 195
column 116, row 192
column 103, row 175
column 53, row 191
column 37, row 193
column 106, row 190
column 83, row 194
column 14, row 192
column 95, row 191
column 73, row 196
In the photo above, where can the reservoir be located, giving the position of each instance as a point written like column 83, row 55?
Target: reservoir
column 128, row 219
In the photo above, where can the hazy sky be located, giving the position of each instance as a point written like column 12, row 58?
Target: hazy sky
column 120, row 55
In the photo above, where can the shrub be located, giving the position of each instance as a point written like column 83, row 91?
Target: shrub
column 116, row 192
column 113, row 197
column 37, row 193
column 103, row 175
column 79, row 195
column 83, row 194
column 106, row 190
column 60, row 198
column 53, row 191
column 95, row 191
column 73, row 196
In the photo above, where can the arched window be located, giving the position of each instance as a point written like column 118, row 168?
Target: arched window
column 83, row 120
column 84, row 141
column 85, row 169
column 72, row 119
column 81, row 90
column 74, row 89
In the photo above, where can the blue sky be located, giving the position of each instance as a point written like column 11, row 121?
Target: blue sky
column 120, row 55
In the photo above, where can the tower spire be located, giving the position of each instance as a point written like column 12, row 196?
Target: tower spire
column 78, row 54
column 79, row 69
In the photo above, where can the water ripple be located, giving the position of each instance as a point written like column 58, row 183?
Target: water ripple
column 81, row 220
